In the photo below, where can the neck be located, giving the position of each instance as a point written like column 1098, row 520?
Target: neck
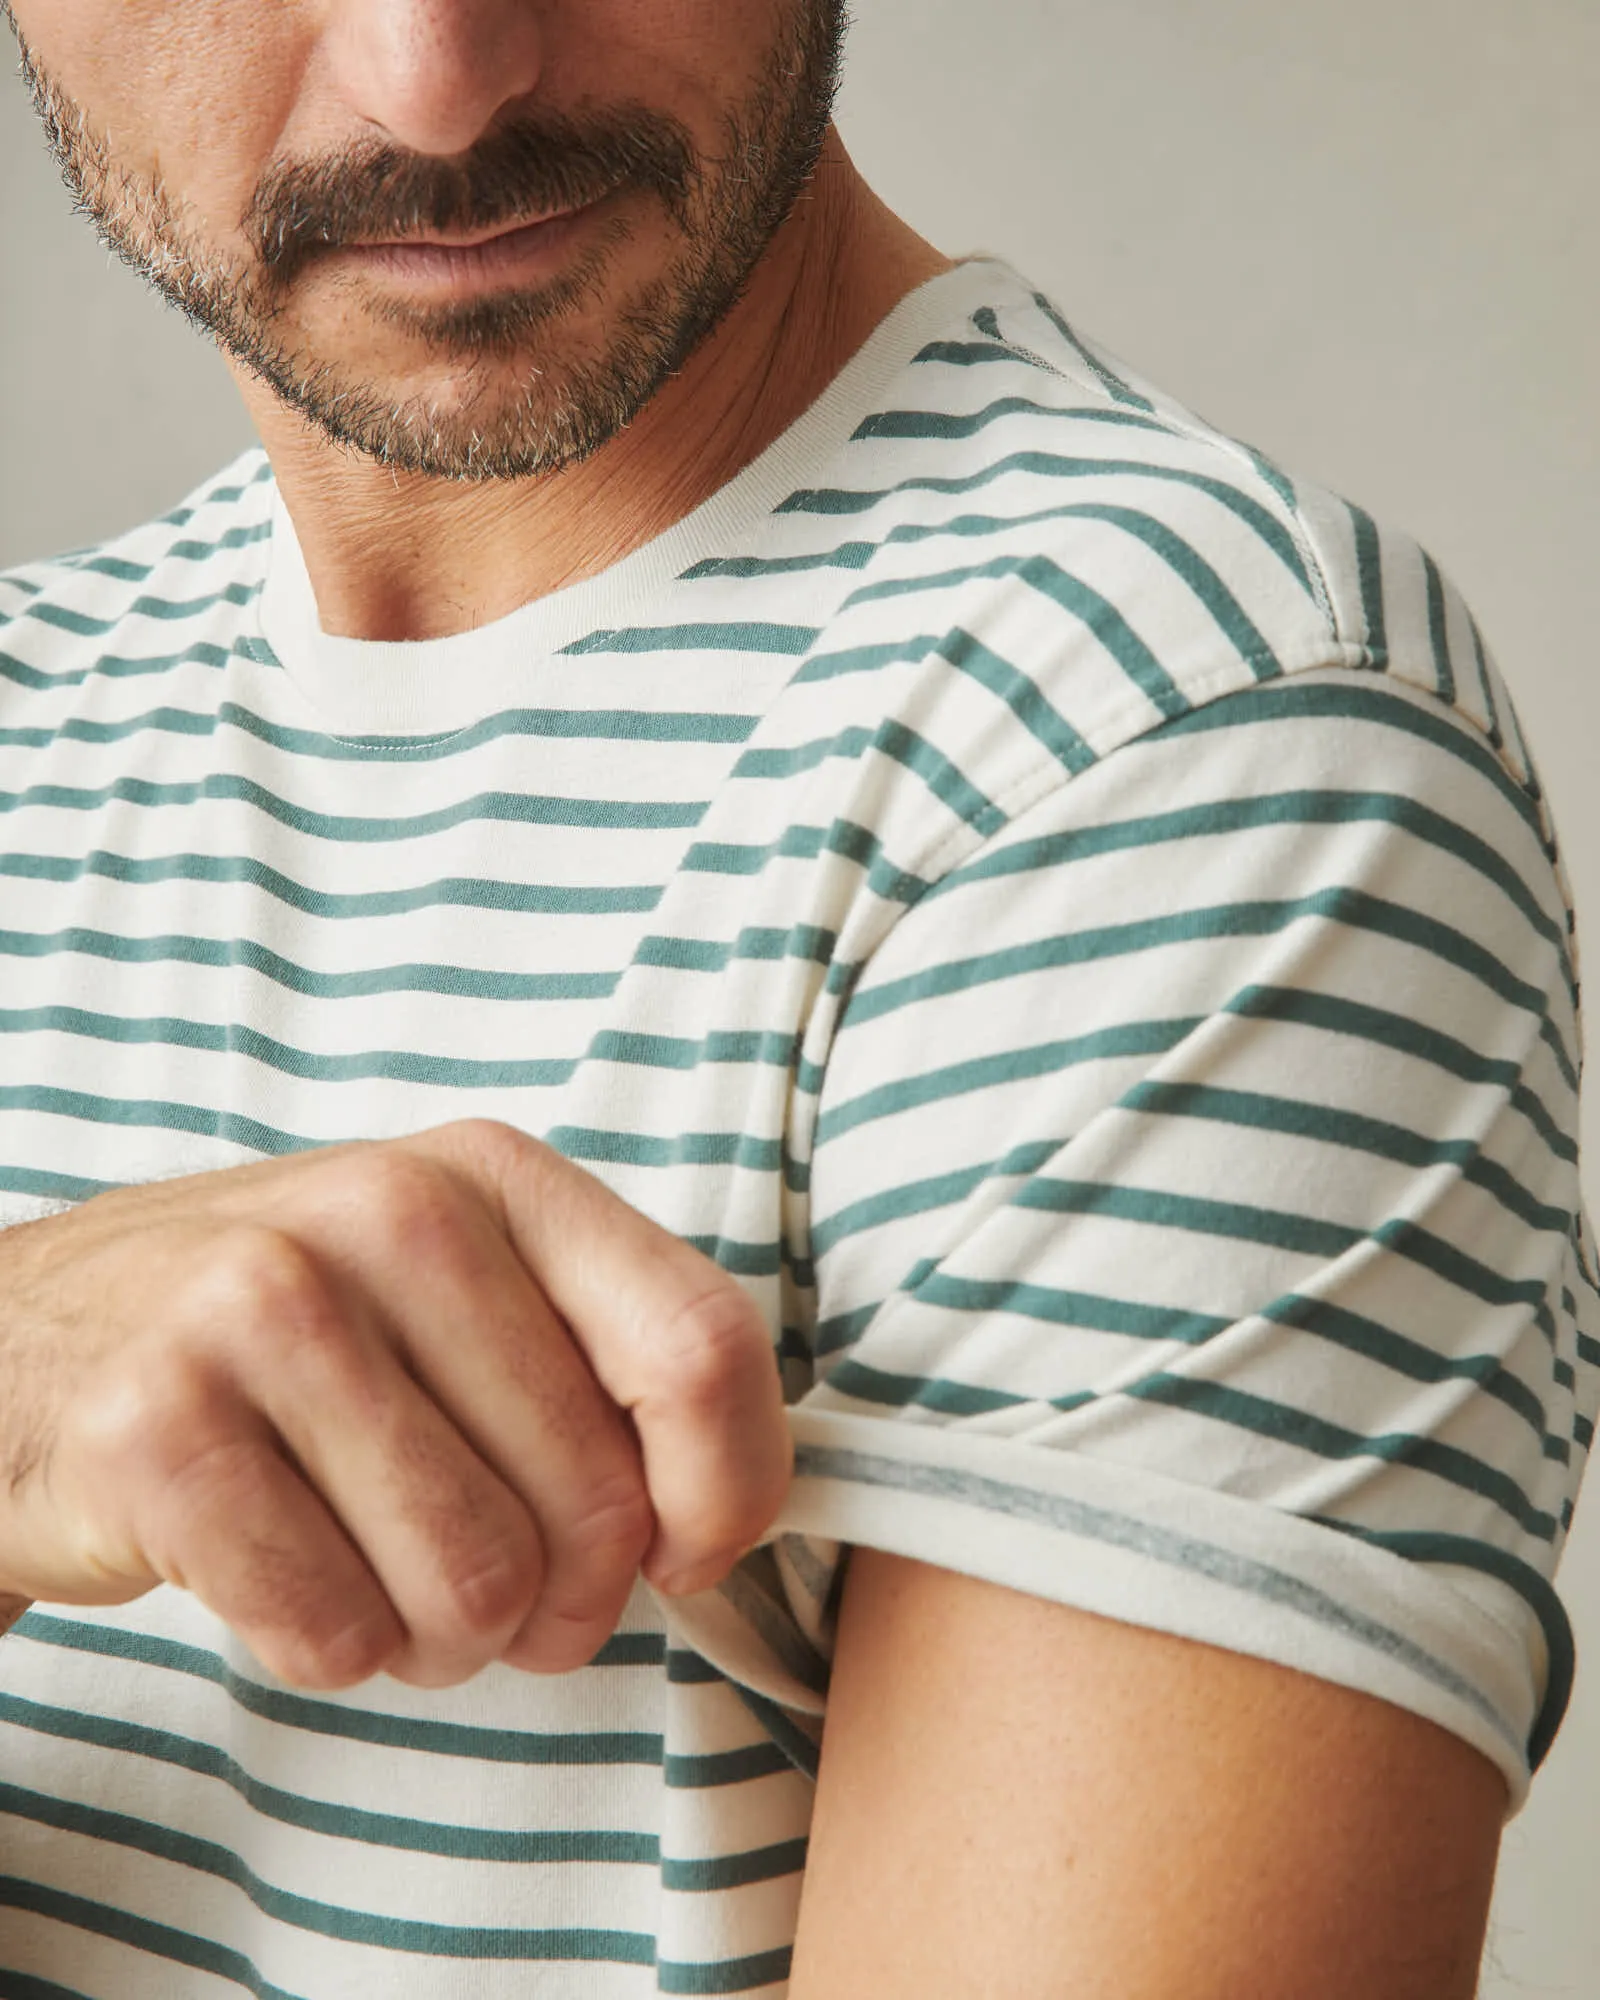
column 406, row 557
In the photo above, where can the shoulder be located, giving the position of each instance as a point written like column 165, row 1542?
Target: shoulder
column 1057, row 558
column 166, row 591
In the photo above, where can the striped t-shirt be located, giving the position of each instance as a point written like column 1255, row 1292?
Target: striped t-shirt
column 1060, row 910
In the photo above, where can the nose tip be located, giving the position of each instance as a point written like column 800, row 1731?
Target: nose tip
column 433, row 74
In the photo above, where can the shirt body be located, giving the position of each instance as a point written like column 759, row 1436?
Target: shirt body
column 1059, row 910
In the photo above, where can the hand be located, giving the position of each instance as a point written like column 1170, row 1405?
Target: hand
column 411, row 1406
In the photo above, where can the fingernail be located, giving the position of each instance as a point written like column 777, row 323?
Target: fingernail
column 689, row 1582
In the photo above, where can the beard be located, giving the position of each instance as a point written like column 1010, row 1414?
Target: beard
column 534, row 396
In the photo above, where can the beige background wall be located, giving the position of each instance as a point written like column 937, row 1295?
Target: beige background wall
column 1360, row 233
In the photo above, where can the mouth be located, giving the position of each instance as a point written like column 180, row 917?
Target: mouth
column 454, row 264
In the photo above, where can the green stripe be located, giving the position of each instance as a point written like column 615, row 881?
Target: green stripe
column 678, row 1052
column 750, row 1260
column 113, row 666
column 539, row 724
column 462, row 982
column 322, row 1718
column 49, row 1186
column 154, row 1114
column 1115, row 387
column 1300, row 1118
column 23, row 1986
column 1332, row 1015
column 183, row 550
column 1384, row 703
column 922, row 1197
column 1180, row 557
column 889, row 738
column 785, row 641
column 967, row 354
column 712, row 1769
column 731, row 1975
column 802, row 1747
column 1486, row 682
column 1369, row 564
column 1243, row 1222
column 847, row 556
column 1282, row 1229
column 1439, row 631
column 804, row 941
column 1079, row 599
column 386, row 1830
column 1353, row 908
column 493, row 808
column 301, row 1913
column 139, row 1934
column 1051, row 1305
column 838, row 501
column 1433, row 1253
column 1133, row 1038
column 864, row 1383
column 735, row 1871
column 843, row 837
column 1374, row 1341
column 858, row 555
column 62, row 618
column 1269, row 809
column 947, row 425
column 458, row 892
column 685, row 1149
column 1021, row 694
column 233, row 1041
column 1352, row 1332
column 1264, row 1417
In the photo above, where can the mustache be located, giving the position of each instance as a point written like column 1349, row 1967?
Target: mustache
column 303, row 208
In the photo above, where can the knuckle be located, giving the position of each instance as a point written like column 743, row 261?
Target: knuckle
column 252, row 1275
column 401, row 1195
column 492, row 1591
column 199, row 1480
column 615, row 1525
column 134, row 1414
column 714, row 1349
column 491, row 1143
column 340, row 1656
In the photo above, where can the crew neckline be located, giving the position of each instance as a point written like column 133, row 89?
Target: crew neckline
column 383, row 687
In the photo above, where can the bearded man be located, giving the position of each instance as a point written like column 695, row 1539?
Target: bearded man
column 747, row 997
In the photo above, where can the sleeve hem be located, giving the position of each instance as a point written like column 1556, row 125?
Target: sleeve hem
column 1132, row 1545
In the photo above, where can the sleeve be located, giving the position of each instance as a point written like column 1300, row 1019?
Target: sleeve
column 1195, row 1218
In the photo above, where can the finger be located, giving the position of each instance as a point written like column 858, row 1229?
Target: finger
column 455, row 1549
column 673, row 1339
column 479, row 1337
column 235, row 1523
column 160, row 1470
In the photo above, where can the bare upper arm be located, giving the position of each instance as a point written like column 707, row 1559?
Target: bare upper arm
column 1019, row 1799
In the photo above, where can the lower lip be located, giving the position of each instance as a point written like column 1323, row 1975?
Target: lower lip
column 518, row 255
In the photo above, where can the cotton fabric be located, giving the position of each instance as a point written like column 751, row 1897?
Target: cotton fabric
column 1061, row 910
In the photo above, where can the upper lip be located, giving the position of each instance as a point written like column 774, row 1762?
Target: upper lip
column 465, row 239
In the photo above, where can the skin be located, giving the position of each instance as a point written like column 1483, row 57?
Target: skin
column 410, row 1407
column 403, row 556
column 239, row 1383
column 1022, row 1801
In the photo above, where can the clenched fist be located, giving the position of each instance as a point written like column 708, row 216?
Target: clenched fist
column 411, row 1407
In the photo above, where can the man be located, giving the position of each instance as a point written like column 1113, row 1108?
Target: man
column 726, row 787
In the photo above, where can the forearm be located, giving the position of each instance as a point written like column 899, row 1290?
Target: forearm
column 11, row 1609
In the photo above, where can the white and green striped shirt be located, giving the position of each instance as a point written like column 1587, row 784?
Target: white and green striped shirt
column 1063, row 913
